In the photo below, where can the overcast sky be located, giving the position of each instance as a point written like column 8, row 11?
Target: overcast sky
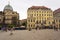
column 21, row 6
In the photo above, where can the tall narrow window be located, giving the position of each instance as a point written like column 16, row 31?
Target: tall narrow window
column 31, row 20
column 42, row 14
column 0, row 19
column 37, row 14
column 59, row 20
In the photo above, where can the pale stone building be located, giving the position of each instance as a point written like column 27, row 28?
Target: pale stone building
column 1, row 17
column 57, row 18
column 8, row 16
column 40, row 15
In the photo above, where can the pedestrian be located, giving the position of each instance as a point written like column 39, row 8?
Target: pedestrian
column 11, row 31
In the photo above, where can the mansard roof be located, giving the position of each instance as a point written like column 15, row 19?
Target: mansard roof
column 39, row 7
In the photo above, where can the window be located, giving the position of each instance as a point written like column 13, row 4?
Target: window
column 33, row 25
column 31, row 15
column 29, row 25
column 39, row 14
column 34, row 14
column 59, row 20
column 39, row 21
column 28, row 20
column 42, row 14
column 53, row 22
column 0, row 19
column 42, row 11
column 37, row 11
column 47, row 12
column 49, row 22
column 12, row 13
column 31, row 20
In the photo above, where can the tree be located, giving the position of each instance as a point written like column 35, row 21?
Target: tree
column 0, row 25
column 24, row 24
column 11, row 25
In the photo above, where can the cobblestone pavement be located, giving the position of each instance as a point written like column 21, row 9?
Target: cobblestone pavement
column 45, row 34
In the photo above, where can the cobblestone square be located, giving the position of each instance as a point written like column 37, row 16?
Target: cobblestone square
column 45, row 34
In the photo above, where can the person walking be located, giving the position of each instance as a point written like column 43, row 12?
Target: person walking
column 11, row 31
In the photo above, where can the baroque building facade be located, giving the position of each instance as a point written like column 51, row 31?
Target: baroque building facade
column 57, row 18
column 40, row 15
column 8, row 16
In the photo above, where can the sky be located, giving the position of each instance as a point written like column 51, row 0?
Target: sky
column 21, row 6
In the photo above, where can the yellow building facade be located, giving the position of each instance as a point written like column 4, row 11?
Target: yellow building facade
column 39, row 14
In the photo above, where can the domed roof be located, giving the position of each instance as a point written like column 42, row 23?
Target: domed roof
column 8, row 7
